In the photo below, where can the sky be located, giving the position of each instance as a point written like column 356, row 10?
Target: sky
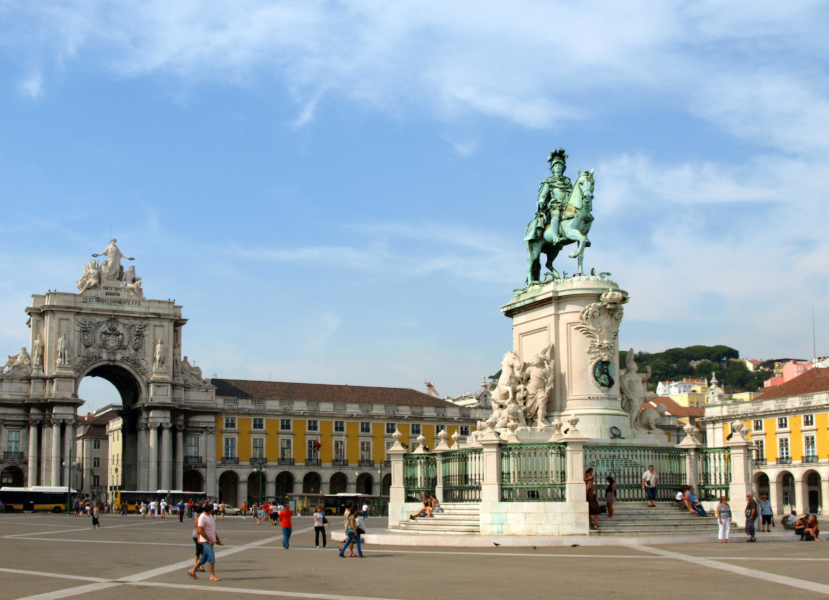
column 336, row 192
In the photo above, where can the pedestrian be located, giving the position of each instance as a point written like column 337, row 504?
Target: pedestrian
column 143, row 510
column 152, row 508
column 95, row 514
column 287, row 526
column 650, row 479
column 766, row 514
column 254, row 519
column 610, row 496
column 593, row 508
column 800, row 526
column 244, row 510
column 180, row 508
column 589, row 480
column 724, row 519
column 352, row 537
column 751, row 516
column 199, row 549
column 76, row 507
column 319, row 527
column 223, row 508
column 207, row 536
column 812, row 530
column 365, row 510
column 694, row 504
column 163, row 507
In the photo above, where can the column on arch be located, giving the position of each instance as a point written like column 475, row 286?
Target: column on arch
column 210, row 485
column 143, row 456
column 46, row 453
column 152, row 470
column 166, row 456
column 33, row 453
column 69, row 451
column 178, row 467
column 56, row 448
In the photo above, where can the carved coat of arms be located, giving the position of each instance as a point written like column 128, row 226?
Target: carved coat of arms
column 111, row 338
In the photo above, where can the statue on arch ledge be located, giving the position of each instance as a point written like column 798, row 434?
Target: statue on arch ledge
column 112, row 269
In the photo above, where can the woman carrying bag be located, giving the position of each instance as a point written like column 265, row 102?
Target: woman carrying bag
column 353, row 537
column 724, row 519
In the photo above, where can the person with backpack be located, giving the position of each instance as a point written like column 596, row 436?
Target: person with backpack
column 319, row 526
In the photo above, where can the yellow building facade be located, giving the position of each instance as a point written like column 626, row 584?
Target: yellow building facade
column 275, row 439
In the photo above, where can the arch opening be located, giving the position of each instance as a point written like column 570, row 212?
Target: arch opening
column 257, row 486
column 284, row 486
column 338, row 483
column 229, row 488
column 365, row 484
column 12, row 477
column 193, row 481
column 311, row 483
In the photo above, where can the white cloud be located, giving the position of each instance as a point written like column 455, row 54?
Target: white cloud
column 32, row 86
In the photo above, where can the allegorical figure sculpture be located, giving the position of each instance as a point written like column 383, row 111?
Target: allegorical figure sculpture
column 191, row 374
column 91, row 276
column 634, row 388
column 37, row 352
column 158, row 359
column 19, row 364
column 649, row 417
column 563, row 216
column 112, row 269
column 539, row 387
column 63, row 350
column 132, row 283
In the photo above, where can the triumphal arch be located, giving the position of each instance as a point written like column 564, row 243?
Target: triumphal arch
column 107, row 329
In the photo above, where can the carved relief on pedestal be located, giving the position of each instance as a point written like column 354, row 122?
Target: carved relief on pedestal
column 600, row 324
column 111, row 339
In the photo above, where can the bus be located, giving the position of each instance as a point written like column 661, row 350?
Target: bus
column 37, row 498
column 134, row 498
column 334, row 504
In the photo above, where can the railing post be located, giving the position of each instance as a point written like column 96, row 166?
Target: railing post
column 740, row 447
column 397, row 492
column 491, row 443
column 439, row 450
column 691, row 444
column 575, row 463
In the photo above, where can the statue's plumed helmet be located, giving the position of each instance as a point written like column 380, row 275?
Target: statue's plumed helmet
column 557, row 156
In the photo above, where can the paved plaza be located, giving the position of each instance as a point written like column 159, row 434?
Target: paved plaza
column 55, row 556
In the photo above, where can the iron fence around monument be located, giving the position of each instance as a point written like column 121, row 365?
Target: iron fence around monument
column 533, row 472
column 463, row 474
column 420, row 475
column 627, row 464
column 714, row 469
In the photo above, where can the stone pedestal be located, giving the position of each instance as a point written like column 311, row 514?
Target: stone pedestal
column 580, row 316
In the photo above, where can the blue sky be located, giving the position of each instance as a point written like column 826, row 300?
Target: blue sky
column 336, row 192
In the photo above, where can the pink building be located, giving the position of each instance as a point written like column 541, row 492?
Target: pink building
column 791, row 369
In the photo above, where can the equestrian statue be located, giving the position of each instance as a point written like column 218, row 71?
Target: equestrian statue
column 563, row 216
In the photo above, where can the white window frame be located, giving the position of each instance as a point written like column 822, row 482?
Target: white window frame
column 96, row 444
column 363, row 429
column 282, row 425
column 311, row 449
column 365, row 454
column 13, row 440
column 96, row 462
column 286, row 446
column 464, row 430
column 230, row 423
column 339, row 450
column 316, row 426
column 439, row 428
column 231, row 442
column 756, row 423
column 391, row 428
column 787, row 444
column 419, row 429
column 261, row 423
column 782, row 422
column 190, row 446
column 339, row 426
column 811, row 418
column 806, row 446
column 253, row 447
column 761, row 449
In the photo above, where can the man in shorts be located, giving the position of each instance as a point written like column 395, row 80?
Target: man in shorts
column 207, row 536
column 649, row 480
column 152, row 508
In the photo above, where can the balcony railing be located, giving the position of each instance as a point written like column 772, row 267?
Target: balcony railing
column 785, row 460
column 257, row 403
column 387, row 463
column 366, row 462
column 390, row 409
column 258, row 462
column 313, row 462
column 759, row 462
column 340, row 407
column 313, row 405
column 13, row 455
column 286, row 461
column 416, row 410
column 230, row 460
column 193, row 460
column 340, row 462
column 440, row 411
column 810, row 458
column 286, row 404
column 366, row 408
column 230, row 403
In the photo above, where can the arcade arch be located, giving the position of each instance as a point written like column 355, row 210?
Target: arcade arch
column 311, row 483
column 12, row 476
column 338, row 483
column 365, row 484
column 284, row 485
column 387, row 484
column 257, row 486
column 193, row 481
column 811, row 487
column 229, row 488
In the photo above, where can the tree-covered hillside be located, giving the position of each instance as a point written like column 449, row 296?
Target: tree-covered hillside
column 676, row 363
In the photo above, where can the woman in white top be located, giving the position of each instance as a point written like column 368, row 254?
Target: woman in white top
column 319, row 526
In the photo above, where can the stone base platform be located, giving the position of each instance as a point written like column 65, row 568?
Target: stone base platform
column 487, row 541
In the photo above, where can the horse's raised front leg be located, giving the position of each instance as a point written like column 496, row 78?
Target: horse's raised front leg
column 533, row 261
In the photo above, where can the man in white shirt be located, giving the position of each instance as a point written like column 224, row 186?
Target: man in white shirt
column 163, row 506
column 152, row 509
column 365, row 510
column 649, row 480
column 207, row 536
